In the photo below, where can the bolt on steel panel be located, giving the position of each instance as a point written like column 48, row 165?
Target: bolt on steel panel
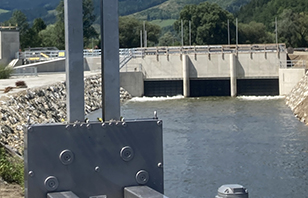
column 92, row 159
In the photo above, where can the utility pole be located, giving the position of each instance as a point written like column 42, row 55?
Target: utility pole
column 228, row 32
column 190, row 33
column 182, row 34
column 236, row 34
column 140, row 38
column 276, row 30
column 145, row 43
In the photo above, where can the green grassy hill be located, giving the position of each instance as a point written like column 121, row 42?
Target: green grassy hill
column 170, row 9
column 142, row 9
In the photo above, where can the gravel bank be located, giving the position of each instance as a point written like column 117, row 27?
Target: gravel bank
column 45, row 104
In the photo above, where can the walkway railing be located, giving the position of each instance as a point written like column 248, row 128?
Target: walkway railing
column 127, row 54
column 293, row 64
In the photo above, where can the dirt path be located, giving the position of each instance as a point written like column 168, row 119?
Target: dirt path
column 10, row 190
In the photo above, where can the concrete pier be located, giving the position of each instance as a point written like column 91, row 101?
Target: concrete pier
column 186, row 81
column 233, row 75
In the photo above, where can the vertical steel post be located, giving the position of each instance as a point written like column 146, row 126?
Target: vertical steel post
column 140, row 38
column 145, row 43
column 74, row 60
column 236, row 35
column 276, row 30
column 182, row 33
column 228, row 32
column 189, row 33
column 110, row 60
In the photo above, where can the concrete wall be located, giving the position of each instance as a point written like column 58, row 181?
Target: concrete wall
column 259, row 65
column 133, row 83
column 9, row 45
column 57, row 65
column 288, row 79
column 204, row 66
column 163, row 68
column 93, row 63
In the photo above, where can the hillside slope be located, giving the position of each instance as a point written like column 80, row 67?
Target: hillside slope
column 265, row 11
column 170, row 9
column 142, row 9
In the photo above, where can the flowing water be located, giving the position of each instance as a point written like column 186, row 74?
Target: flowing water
column 211, row 141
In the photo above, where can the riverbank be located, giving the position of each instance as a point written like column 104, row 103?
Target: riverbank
column 297, row 100
column 44, row 101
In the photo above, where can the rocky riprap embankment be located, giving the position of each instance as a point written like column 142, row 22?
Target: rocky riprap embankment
column 43, row 105
column 297, row 100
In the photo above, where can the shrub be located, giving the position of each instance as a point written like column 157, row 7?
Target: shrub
column 11, row 169
column 5, row 72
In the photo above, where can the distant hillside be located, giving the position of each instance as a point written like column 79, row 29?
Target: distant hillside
column 27, row 4
column 144, row 9
column 43, row 8
column 265, row 11
column 170, row 9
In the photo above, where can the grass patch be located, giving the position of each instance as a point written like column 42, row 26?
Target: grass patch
column 5, row 72
column 163, row 23
column 3, row 11
column 11, row 168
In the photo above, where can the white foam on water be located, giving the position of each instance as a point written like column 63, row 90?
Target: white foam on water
column 261, row 97
column 147, row 99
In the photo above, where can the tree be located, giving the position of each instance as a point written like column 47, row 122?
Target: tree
column 129, row 32
column 168, row 39
column 48, row 36
column 208, row 23
column 59, row 30
column 38, row 25
column 293, row 28
column 253, row 33
column 88, row 19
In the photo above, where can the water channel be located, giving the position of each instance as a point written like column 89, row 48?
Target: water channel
column 253, row 141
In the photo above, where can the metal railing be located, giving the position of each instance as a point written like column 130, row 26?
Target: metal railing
column 91, row 52
column 210, row 49
column 132, row 68
column 25, row 71
column 125, row 55
column 38, row 56
column 293, row 64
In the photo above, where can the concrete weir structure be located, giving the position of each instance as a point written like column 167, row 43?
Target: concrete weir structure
column 212, row 70
column 195, row 71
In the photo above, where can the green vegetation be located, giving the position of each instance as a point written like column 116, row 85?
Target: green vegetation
column 208, row 17
column 292, row 19
column 11, row 168
column 163, row 23
column 5, row 72
column 41, row 35
column 170, row 9
column 129, row 32
column 208, row 24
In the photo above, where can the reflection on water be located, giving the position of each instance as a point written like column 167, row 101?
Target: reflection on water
column 219, row 140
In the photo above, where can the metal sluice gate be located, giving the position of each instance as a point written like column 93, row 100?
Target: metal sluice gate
column 110, row 159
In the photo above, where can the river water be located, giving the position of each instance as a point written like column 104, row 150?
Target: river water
column 211, row 141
